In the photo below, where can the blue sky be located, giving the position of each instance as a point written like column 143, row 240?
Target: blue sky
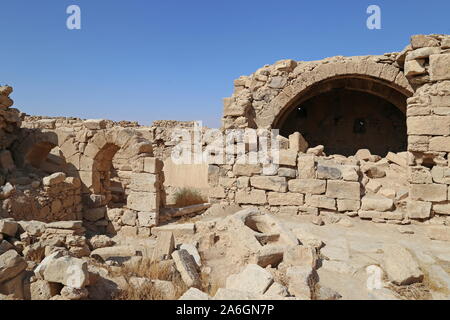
column 147, row 60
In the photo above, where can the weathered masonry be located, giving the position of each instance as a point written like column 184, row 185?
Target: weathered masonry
column 364, row 136
column 396, row 105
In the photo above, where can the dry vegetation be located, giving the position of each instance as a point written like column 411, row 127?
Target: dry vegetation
column 147, row 269
column 187, row 197
column 416, row 291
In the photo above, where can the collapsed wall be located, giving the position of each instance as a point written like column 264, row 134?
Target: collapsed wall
column 71, row 169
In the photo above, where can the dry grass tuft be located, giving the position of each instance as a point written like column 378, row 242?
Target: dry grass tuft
column 187, row 197
column 147, row 269
column 416, row 291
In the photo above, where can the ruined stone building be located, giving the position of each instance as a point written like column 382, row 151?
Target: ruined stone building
column 365, row 136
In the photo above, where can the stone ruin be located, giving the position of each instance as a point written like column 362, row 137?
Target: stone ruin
column 363, row 137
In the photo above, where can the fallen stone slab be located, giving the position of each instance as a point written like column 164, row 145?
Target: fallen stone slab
column 5, row 246
column 39, row 271
column 187, row 268
column 376, row 203
column 397, row 159
column 400, row 266
column 301, row 256
column 193, row 252
column 70, row 225
column 270, row 255
column 114, row 252
column 101, row 241
column 54, row 179
column 176, row 229
column 302, row 281
column 11, row 264
column 71, row 272
column 33, row 228
column 253, row 279
column 165, row 245
column 44, row 290
column 8, row 227
column 179, row 212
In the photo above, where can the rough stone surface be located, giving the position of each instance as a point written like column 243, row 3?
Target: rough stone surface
column 187, row 267
column 253, row 279
column 400, row 266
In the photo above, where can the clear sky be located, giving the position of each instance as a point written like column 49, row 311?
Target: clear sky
column 146, row 60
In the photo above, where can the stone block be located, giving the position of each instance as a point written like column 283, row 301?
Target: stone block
column 153, row 165
column 440, row 67
column 428, row 192
column 285, row 199
column 277, row 184
column 95, row 124
column 429, row 125
column 143, row 201
column 376, row 203
column 306, row 166
column 247, row 169
column 165, row 245
column 344, row 205
column 329, row 170
column 442, row 208
column 312, row 186
column 288, row 158
column 418, row 209
column 251, row 197
column 400, row 265
column 319, row 201
column 187, row 268
column 253, row 279
column 343, row 190
column 441, row 144
column 145, row 182
column 297, row 143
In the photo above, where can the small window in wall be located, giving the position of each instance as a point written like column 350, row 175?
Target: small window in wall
column 302, row 112
column 359, row 126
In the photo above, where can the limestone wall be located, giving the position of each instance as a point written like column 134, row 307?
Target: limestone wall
column 108, row 164
column 427, row 66
column 115, row 177
column 310, row 182
column 259, row 100
column 416, row 81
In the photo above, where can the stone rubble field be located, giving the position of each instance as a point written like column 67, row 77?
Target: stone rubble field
column 228, row 253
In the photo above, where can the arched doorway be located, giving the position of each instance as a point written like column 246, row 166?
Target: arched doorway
column 348, row 113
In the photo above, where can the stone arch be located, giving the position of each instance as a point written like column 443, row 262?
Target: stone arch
column 345, row 106
column 34, row 147
column 96, row 161
column 377, row 76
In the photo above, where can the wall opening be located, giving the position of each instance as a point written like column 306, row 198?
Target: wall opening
column 46, row 157
column 103, row 171
column 348, row 114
